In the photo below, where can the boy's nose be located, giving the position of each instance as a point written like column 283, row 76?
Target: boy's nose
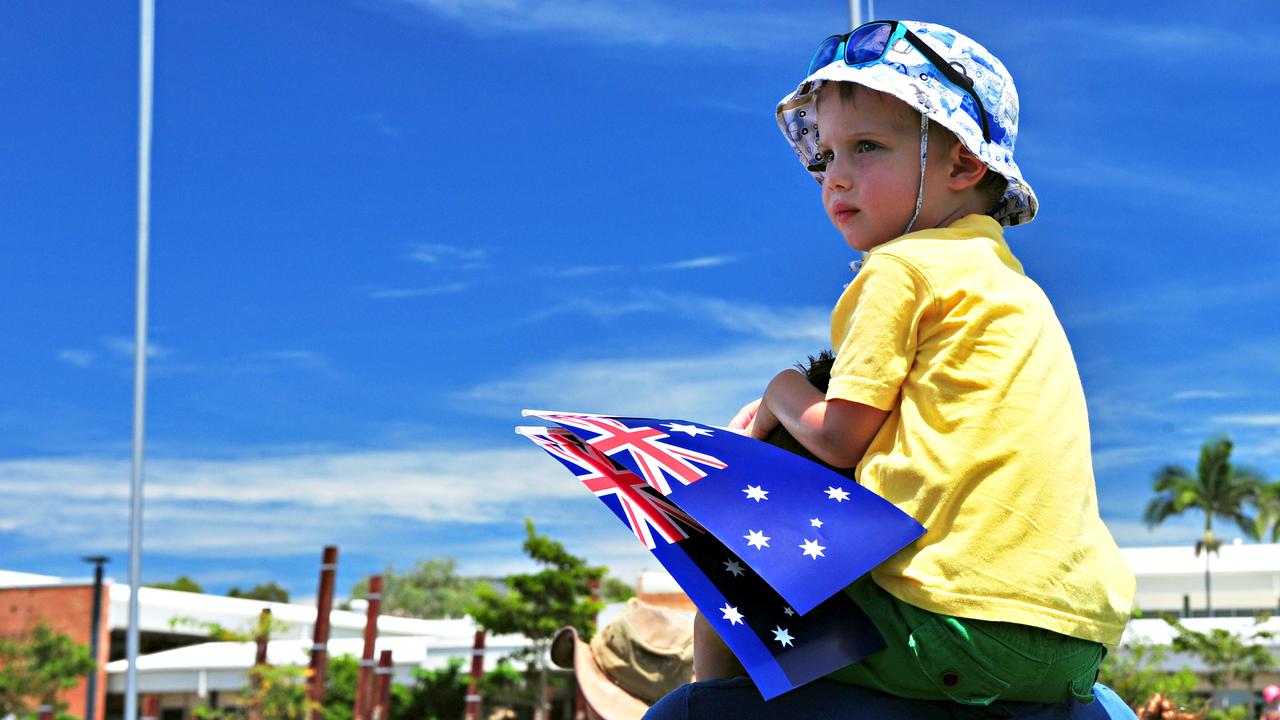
column 837, row 176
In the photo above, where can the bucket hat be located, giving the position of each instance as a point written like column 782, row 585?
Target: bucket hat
column 904, row 72
column 641, row 655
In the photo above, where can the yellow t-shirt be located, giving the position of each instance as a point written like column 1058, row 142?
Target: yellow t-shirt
column 987, row 438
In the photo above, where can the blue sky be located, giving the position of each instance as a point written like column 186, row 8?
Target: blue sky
column 382, row 227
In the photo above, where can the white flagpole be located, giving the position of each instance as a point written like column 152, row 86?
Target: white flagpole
column 146, row 49
column 855, row 13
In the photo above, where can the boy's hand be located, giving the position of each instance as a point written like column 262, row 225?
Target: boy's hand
column 763, row 423
column 742, row 421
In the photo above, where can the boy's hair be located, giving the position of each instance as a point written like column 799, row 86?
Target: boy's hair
column 818, row 371
column 991, row 187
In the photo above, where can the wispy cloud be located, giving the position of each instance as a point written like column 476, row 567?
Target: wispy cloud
column 294, row 358
column 698, row 262
column 762, row 322
column 1170, row 296
column 582, row 271
column 115, row 348
column 78, row 358
column 407, row 293
column 1204, row 395
column 1252, row 420
column 639, row 22
column 811, row 324
column 123, row 347
column 1137, row 456
column 451, row 255
column 378, row 121
column 695, row 263
column 710, row 387
column 270, row 505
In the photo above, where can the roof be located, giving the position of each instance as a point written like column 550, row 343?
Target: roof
column 160, row 608
column 15, row 579
column 1247, row 558
column 223, row 665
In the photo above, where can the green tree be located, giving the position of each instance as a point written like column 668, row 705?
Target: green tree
column 436, row 694
column 1217, row 489
column 615, row 590
column 183, row 583
column 441, row 694
column 35, row 668
column 276, row 692
column 341, row 682
column 1228, row 656
column 538, row 604
column 1135, row 674
column 268, row 591
column 1266, row 524
column 432, row 589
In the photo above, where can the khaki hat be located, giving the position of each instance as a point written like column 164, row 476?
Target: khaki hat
column 643, row 654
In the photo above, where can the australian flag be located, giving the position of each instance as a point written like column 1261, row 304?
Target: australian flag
column 760, row 539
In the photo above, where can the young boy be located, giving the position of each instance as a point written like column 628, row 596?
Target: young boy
column 954, row 391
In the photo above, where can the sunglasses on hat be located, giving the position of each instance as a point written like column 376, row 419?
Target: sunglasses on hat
column 867, row 44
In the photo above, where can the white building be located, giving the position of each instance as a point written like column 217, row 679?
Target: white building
column 179, row 664
column 187, row 671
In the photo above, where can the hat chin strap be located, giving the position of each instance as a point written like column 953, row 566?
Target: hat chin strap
column 924, row 152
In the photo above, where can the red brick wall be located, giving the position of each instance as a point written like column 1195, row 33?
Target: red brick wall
column 68, row 610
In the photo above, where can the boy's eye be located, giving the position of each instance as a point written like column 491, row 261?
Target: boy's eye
column 865, row 146
column 828, row 156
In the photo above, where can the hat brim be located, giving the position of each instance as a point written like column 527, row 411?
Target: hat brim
column 605, row 699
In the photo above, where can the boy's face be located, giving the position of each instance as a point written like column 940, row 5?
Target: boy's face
column 872, row 148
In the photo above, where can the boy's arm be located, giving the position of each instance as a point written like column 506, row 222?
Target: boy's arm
column 837, row 431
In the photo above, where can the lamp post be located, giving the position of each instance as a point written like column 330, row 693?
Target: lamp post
column 146, row 56
column 95, row 629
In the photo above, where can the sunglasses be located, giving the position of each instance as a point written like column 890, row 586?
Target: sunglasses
column 869, row 43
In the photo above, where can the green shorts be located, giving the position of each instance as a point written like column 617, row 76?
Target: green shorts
column 974, row 662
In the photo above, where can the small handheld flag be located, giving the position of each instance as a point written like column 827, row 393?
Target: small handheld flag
column 761, row 540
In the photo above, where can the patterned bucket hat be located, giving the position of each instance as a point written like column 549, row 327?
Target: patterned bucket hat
column 906, row 71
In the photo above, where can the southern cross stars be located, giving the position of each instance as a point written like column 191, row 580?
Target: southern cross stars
column 757, row 539
column 731, row 614
column 837, row 494
column 781, row 635
column 733, row 567
column 690, row 430
column 815, row 522
column 813, row 549
column 755, row 493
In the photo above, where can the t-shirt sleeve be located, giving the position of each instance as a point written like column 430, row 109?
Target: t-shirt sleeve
column 874, row 331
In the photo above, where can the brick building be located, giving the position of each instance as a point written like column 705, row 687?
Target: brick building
column 27, row 600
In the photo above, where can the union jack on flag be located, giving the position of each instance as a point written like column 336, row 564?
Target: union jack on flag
column 657, row 461
column 644, row 510
column 761, row 540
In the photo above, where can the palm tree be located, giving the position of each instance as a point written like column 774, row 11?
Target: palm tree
column 1218, row 489
column 1266, row 526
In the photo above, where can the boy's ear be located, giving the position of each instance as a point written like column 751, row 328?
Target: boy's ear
column 966, row 170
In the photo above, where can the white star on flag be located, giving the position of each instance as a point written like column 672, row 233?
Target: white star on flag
column 813, row 549
column 781, row 635
column 690, row 430
column 815, row 522
column 788, row 611
column 733, row 567
column 755, row 493
column 837, row 494
column 731, row 614
column 757, row 539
